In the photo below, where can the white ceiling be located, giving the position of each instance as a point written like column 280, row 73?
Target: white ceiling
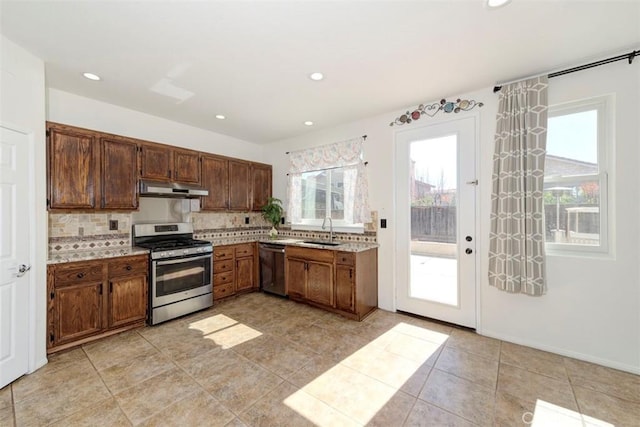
column 250, row 60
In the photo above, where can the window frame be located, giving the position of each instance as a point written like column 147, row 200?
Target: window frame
column 605, row 141
column 339, row 225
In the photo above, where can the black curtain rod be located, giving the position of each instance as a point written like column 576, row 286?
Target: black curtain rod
column 363, row 137
column 629, row 56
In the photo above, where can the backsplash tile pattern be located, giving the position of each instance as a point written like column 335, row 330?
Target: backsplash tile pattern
column 68, row 232
column 86, row 231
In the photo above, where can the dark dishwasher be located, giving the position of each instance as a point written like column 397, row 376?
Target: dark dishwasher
column 272, row 268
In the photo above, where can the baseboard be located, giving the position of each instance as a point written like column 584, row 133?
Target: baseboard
column 563, row 352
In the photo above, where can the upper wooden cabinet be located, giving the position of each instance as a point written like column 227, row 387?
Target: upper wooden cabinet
column 239, row 188
column 234, row 184
column 73, row 158
column 186, row 166
column 90, row 170
column 215, row 178
column 155, row 162
column 164, row 163
column 261, row 176
column 119, row 174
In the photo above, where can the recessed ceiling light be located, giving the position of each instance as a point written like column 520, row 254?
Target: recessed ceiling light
column 316, row 76
column 91, row 76
column 308, row 123
column 493, row 4
column 220, row 116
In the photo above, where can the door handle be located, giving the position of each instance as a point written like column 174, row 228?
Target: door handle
column 468, row 251
column 22, row 270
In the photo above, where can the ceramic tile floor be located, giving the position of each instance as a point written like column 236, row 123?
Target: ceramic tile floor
column 258, row 360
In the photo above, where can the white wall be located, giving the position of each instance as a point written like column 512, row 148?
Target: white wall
column 22, row 107
column 71, row 109
column 592, row 309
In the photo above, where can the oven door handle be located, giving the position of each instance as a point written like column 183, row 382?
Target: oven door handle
column 179, row 260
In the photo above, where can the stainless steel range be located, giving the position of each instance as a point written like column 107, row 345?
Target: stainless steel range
column 180, row 270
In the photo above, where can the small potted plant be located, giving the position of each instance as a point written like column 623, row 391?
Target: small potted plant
column 272, row 213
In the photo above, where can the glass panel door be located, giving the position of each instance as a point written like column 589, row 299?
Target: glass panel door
column 435, row 257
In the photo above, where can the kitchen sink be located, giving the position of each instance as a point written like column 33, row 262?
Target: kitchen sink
column 322, row 242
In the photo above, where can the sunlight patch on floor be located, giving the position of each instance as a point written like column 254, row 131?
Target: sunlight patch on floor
column 224, row 331
column 364, row 382
column 549, row 415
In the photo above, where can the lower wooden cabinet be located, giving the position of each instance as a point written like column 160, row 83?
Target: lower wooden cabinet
column 343, row 282
column 234, row 270
column 92, row 299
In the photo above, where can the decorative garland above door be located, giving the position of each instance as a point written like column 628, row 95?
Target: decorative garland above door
column 433, row 109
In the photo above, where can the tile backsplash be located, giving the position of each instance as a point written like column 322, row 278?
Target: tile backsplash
column 82, row 231
column 88, row 231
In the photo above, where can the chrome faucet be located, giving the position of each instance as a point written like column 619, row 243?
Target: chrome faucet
column 330, row 227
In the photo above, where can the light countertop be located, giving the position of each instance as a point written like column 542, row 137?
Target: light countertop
column 88, row 255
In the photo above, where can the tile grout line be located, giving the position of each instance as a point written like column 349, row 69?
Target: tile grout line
column 105, row 385
column 495, row 390
column 175, row 364
column 13, row 407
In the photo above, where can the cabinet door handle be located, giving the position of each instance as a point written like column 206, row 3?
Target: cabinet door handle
column 128, row 267
column 350, row 274
column 110, row 287
column 80, row 275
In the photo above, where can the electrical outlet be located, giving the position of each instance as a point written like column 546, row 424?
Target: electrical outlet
column 113, row 224
column 383, row 223
column 246, row 220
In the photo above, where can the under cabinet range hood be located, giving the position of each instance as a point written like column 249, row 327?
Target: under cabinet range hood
column 171, row 189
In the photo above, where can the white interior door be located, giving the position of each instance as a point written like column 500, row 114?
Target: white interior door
column 436, row 215
column 14, row 255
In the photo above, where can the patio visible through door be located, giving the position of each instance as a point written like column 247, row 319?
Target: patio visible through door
column 436, row 186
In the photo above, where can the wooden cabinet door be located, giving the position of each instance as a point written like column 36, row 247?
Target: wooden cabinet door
column 186, row 166
column 127, row 300
column 261, row 176
column 345, row 288
column 119, row 174
column 239, row 175
column 296, row 277
column 215, row 178
column 245, row 277
column 320, row 283
column 155, row 162
column 73, row 172
column 78, row 311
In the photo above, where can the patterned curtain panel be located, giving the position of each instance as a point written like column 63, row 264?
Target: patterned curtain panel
column 346, row 154
column 516, row 240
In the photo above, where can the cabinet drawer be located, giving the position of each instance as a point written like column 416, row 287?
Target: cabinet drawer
column 244, row 250
column 222, row 291
column 223, row 252
column 128, row 266
column 222, row 278
column 320, row 255
column 85, row 272
column 346, row 258
column 222, row 265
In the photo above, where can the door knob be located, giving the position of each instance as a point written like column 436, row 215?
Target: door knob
column 468, row 251
column 22, row 269
column 468, row 238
